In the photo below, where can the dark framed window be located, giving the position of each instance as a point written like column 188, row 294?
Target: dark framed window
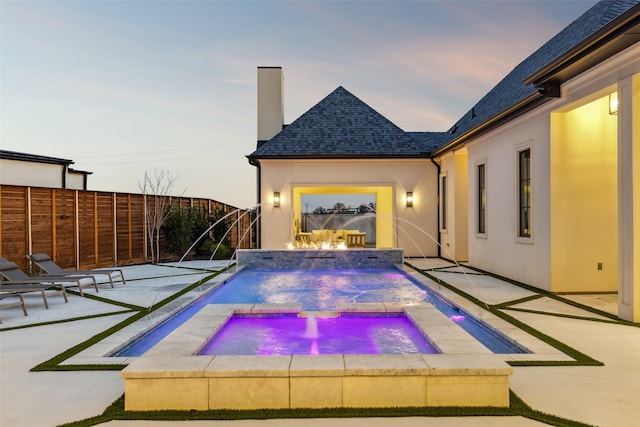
column 443, row 202
column 482, row 200
column 524, row 168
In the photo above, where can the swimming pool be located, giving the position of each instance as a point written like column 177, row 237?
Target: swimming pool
column 322, row 289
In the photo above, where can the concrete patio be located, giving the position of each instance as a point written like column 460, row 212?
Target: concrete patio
column 595, row 395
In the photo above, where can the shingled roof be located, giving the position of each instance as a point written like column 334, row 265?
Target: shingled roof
column 513, row 91
column 343, row 126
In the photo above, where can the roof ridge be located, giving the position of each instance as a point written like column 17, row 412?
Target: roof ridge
column 343, row 125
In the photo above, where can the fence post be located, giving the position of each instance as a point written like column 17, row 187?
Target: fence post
column 76, row 228
column 144, row 226
column 115, row 229
column 28, row 224
column 54, row 231
column 129, row 226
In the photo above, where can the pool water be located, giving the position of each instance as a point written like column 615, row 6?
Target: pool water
column 294, row 335
column 319, row 289
column 323, row 290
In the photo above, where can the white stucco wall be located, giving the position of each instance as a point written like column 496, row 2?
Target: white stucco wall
column 415, row 228
column 15, row 172
column 75, row 181
column 454, row 239
column 500, row 250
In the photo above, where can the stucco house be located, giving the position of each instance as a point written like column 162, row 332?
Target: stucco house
column 538, row 182
column 33, row 170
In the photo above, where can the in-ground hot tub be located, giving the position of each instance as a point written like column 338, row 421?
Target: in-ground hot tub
column 171, row 376
column 318, row 333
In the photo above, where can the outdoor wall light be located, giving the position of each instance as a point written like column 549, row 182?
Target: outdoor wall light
column 613, row 103
column 276, row 199
column 409, row 199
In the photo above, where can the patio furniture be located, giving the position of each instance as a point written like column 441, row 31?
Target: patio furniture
column 356, row 240
column 12, row 288
column 304, row 239
column 12, row 273
column 50, row 268
column 21, row 303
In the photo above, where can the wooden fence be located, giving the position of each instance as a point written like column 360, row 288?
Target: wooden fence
column 89, row 229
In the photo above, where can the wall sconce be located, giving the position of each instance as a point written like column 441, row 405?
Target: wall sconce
column 409, row 199
column 613, row 103
column 276, row 199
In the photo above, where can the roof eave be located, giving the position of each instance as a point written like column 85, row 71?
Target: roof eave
column 255, row 160
column 525, row 105
column 26, row 157
column 614, row 37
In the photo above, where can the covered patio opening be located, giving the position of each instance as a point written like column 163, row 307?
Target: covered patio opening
column 584, row 196
column 382, row 196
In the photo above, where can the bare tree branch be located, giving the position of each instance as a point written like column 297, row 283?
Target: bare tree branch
column 156, row 190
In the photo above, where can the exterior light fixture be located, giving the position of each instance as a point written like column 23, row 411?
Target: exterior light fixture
column 409, row 199
column 276, row 199
column 613, row 103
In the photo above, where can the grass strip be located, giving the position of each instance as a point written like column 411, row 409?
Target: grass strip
column 508, row 304
column 108, row 301
column 200, row 269
column 556, row 297
column 562, row 315
column 516, row 408
column 55, row 363
column 72, row 319
column 580, row 359
column 519, row 407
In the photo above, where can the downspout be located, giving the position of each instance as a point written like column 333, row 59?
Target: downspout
column 259, row 207
column 437, row 204
column 64, row 176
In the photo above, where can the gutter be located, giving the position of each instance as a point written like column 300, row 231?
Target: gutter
column 255, row 160
column 614, row 37
column 611, row 39
column 524, row 106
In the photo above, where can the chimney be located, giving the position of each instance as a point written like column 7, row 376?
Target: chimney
column 270, row 102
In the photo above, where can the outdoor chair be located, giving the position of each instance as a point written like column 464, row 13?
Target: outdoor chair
column 304, row 239
column 356, row 240
column 12, row 288
column 50, row 268
column 21, row 303
column 10, row 272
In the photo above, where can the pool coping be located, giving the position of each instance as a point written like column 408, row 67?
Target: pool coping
column 171, row 376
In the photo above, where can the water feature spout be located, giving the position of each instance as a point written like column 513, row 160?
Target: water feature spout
column 312, row 327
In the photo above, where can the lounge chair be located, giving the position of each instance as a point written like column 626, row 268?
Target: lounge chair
column 23, row 288
column 21, row 303
column 10, row 272
column 50, row 268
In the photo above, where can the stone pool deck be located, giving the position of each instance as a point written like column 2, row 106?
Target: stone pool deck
column 595, row 395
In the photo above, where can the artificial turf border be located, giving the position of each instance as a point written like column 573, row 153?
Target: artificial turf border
column 580, row 359
column 517, row 407
column 55, row 363
column 116, row 411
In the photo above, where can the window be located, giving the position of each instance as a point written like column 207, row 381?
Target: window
column 524, row 168
column 482, row 200
column 443, row 202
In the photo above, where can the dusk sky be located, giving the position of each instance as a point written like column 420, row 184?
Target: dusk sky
column 124, row 87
